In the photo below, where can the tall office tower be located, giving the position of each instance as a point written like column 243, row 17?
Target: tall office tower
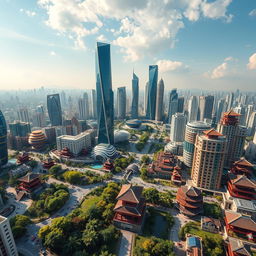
column 23, row 115
column 152, row 88
column 135, row 96
column 121, row 103
column 3, row 140
column 192, row 108
column 220, row 109
column 205, row 107
column 63, row 98
column 229, row 100
column 86, row 102
column 235, row 134
column 178, row 127
column 146, row 98
column 192, row 130
column 240, row 109
column 39, row 117
column 173, row 105
column 94, row 104
column 208, row 162
column 54, row 109
column 180, row 104
column 20, row 129
column 249, row 110
column 82, row 109
column 7, row 243
column 252, row 124
column 160, row 100
column 105, row 97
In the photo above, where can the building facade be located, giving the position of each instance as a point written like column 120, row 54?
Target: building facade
column 135, row 97
column 93, row 104
column 180, row 105
column 192, row 109
column 3, row 140
column 152, row 89
column 7, row 243
column 121, row 102
column 105, row 97
column 208, row 162
column 173, row 105
column 160, row 101
column 54, row 109
column 191, row 131
column 178, row 127
column 205, row 107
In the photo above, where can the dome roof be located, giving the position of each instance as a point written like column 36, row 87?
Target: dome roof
column 135, row 123
column 103, row 152
column 121, row 135
column 37, row 139
column 199, row 125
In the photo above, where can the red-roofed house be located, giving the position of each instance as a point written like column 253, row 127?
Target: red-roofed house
column 242, row 167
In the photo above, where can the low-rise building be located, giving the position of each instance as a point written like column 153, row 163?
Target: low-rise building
column 194, row 246
column 238, row 247
column 245, row 207
column 242, row 167
column 210, row 224
column 19, row 171
column 29, row 183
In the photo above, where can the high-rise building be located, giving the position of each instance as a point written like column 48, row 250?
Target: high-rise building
column 235, row 134
column 81, row 109
column 240, row 109
column 180, row 104
column 7, row 243
column 146, row 98
column 121, row 103
column 54, row 109
column 135, row 96
column 252, row 124
column 178, row 127
column 205, row 107
column 160, row 100
column 20, row 129
column 23, row 115
column 192, row 130
column 105, row 97
column 86, row 103
column 220, row 109
column 208, row 162
column 152, row 88
column 94, row 104
column 192, row 109
column 249, row 110
column 173, row 105
column 3, row 140
column 229, row 100
column 63, row 98
column 39, row 117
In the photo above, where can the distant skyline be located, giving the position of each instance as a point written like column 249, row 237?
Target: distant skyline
column 196, row 43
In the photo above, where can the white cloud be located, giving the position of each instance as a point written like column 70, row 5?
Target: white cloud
column 252, row 62
column 222, row 70
column 52, row 53
column 28, row 12
column 169, row 65
column 101, row 38
column 144, row 27
column 252, row 12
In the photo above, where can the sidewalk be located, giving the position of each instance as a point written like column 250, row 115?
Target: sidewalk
column 126, row 243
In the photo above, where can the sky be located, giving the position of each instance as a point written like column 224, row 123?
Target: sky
column 203, row 44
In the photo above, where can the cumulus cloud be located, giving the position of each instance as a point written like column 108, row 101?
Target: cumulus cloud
column 52, row 53
column 145, row 26
column 169, row 65
column 222, row 70
column 252, row 12
column 252, row 62
column 101, row 38
column 28, row 12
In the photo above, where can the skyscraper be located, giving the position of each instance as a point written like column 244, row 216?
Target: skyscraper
column 121, row 102
column 192, row 130
column 39, row 117
column 208, row 162
column 94, row 104
column 235, row 134
column 146, row 98
column 192, row 109
column 86, row 104
column 252, row 124
column 173, row 105
column 240, row 109
column 82, row 109
column 180, row 104
column 152, row 88
column 3, row 140
column 105, row 97
column 54, row 109
column 205, row 107
column 229, row 100
column 178, row 127
column 135, row 96
column 160, row 100
column 7, row 243
column 23, row 115
column 220, row 109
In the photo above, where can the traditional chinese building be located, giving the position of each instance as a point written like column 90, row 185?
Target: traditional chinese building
column 242, row 187
column 130, row 208
column 23, row 158
column 240, row 225
column 238, row 247
column 242, row 167
column 65, row 152
column 29, row 183
column 48, row 163
column 108, row 165
column 189, row 200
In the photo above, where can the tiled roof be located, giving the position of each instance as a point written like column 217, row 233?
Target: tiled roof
column 237, row 246
column 242, row 180
column 130, row 193
column 212, row 132
column 231, row 113
column 29, row 177
column 243, row 162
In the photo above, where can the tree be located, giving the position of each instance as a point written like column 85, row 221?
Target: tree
column 145, row 159
column 73, row 177
column 54, row 240
column 55, row 170
column 151, row 195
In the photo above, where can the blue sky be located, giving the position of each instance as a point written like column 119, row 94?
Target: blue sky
column 197, row 43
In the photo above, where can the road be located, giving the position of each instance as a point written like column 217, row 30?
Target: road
column 126, row 243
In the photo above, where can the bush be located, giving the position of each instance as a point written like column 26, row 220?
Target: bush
column 73, row 177
column 212, row 210
column 18, row 225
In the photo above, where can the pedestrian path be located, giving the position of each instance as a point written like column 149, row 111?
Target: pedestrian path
column 126, row 243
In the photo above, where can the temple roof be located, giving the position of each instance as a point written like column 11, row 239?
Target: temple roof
column 231, row 113
column 239, row 247
column 240, row 221
column 242, row 180
column 212, row 132
column 243, row 162
column 119, row 207
column 130, row 193
column 190, row 191
column 29, row 177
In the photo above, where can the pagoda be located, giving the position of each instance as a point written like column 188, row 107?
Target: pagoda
column 48, row 163
column 242, row 187
column 130, row 208
column 29, row 183
column 242, row 167
column 65, row 152
column 108, row 165
column 23, row 158
column 230, row 118
column 189, row 200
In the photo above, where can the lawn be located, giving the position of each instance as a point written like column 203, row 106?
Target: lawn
column 90, row 202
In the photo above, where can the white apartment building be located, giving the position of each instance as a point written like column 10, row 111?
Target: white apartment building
column 7, row 243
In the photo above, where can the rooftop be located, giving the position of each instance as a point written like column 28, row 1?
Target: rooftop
column 245, row 204
column 193, row 241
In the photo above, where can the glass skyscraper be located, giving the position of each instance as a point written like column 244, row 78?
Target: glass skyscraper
column 173, row 104
column 152, row 89
column 3, row 140
column 54, row 109
column 135, row 96
column 121, row 102
column 105, row 96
